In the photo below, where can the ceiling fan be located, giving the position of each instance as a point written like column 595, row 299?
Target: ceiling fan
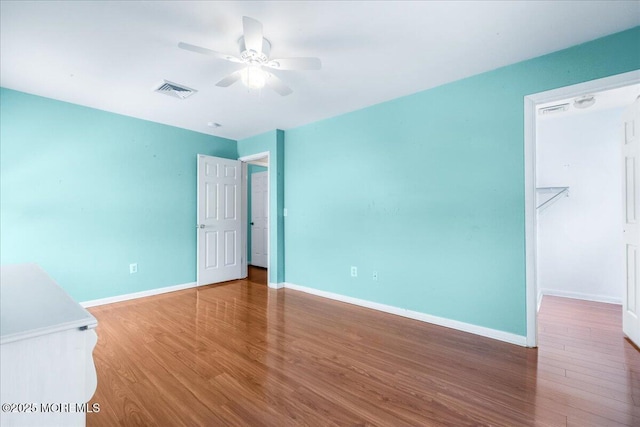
column 254, row 54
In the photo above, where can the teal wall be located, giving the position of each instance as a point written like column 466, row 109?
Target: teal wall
column 250, row 171
column 428, row 190
column 273, row 143
column 84, row 193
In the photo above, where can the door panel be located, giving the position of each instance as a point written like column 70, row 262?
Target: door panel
column 630, row 189
column 230, row 196
column 632, row 279
column 218, row 220
column 211, row 249
column 230, row 239
column 630, row 150
column 211, row 200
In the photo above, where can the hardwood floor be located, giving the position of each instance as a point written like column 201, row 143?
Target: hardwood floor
column 243, row 354
column 258, row 275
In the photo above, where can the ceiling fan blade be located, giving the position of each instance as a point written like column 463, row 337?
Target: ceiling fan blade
column 230, row 79
column 295, row 64
column 205, row 51
column 252, row 34
column 278, row 85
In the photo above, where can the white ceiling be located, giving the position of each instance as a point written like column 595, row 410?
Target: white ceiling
column 111, row 55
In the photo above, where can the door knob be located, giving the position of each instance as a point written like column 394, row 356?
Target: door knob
column 201, row 225
column 251, row 223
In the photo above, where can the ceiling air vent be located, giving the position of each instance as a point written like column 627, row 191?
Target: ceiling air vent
column 554, row 109
column 175, row 90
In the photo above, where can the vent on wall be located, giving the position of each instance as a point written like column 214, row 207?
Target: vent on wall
column 175, row 90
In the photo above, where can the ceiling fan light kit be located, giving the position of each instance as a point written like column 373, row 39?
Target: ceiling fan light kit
column 254, row 54
column 253, row 77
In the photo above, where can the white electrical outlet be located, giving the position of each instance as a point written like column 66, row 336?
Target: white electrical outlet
column 354, row 271
column 133, row 268
column 375, row 275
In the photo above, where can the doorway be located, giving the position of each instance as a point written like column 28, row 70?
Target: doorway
column 258, row 207
column 255, row 216
column 533, row 110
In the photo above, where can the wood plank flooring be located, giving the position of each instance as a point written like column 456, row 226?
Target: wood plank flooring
column 242, row 354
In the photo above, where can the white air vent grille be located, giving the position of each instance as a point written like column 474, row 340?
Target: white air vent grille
column 175, row 90
column 554, row 109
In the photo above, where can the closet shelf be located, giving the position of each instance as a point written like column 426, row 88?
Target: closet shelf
column 546, row 196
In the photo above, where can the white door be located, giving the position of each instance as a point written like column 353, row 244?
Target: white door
column 260, row 219
column 219, row 222
column 630, row 149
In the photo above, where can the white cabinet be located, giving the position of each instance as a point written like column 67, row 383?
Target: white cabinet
column 46, row 343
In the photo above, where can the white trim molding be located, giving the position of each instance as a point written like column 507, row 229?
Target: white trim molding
column 416, row 315
column 582, row 296
column 252, row 157
column 136, row 295
column 276, row 285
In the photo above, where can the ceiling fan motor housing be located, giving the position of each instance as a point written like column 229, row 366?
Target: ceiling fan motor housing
column 251, row 56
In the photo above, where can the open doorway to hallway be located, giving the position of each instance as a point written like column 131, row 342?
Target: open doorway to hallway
column 256, row 208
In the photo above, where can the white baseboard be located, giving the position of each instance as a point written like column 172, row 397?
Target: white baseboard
column 276, row 285
column 142, row 294
column 582, row 296
column 441, row 321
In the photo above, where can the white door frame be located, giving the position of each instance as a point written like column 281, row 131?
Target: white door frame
column 530, row 117
column 245, row 160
